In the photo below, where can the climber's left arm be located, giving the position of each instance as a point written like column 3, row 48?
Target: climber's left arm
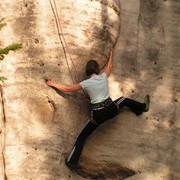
column 64, row 88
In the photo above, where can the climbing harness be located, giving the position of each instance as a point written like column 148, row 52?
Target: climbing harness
column 102, row 105
column 93, row 120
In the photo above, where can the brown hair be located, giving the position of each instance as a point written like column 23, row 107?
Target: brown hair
column 92, row 67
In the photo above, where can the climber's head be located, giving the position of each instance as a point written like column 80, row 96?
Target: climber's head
column 92, row 67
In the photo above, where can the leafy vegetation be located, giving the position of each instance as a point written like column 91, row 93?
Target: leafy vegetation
column 5, row 51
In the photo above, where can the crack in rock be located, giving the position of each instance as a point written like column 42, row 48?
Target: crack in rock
column 106, row 3
column 100, row 171
column 2, row 135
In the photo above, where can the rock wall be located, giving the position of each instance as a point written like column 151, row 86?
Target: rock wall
column 41, row 125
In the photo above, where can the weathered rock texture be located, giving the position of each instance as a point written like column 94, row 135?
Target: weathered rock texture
column 39, row 126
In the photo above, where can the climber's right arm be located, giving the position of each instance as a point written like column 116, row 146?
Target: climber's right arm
column 64, row 88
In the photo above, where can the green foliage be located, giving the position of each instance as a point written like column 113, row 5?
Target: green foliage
column 6, row 50
column 2, row 78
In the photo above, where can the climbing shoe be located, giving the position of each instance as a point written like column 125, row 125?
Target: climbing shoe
column 147, row 103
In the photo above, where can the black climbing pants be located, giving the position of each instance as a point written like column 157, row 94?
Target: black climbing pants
column 98, row 116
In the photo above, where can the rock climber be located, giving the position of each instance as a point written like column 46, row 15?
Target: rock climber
column 103, row 107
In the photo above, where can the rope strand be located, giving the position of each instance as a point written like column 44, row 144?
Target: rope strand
column 66, row 46
column 60, row 32
column 59, row 35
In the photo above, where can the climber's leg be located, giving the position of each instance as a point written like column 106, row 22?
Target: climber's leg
column 73, row 158
column 135, row 106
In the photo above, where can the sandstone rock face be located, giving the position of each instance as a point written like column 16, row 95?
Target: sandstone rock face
column 39, row 125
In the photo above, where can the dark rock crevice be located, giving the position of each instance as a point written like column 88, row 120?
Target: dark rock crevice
column 3, row 134
column 99, row 171
column 105, row 3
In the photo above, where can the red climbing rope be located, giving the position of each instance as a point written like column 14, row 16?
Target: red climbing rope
column 61, row 33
